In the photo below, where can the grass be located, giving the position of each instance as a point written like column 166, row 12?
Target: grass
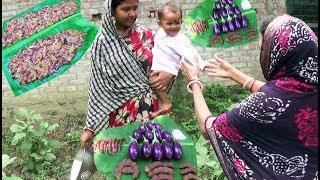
column 71, row 117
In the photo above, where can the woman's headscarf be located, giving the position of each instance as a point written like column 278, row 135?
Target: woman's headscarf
column 290, row 49
column 116, row 76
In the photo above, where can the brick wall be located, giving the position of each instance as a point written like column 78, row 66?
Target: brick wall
column 74, row 83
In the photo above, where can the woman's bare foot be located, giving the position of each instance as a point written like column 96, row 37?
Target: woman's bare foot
column 164, row 108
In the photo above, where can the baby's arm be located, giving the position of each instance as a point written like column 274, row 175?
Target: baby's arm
column 184, row 48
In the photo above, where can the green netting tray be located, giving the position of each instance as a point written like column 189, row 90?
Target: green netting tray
column 203, row 13
column 107, row 163
column 36, row 7
column 74, row 22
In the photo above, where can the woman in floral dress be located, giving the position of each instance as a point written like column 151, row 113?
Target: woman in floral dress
column 273, row 134
column 119, row 91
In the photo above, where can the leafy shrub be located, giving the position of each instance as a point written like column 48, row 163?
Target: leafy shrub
column 6, row 160
column 31, row 141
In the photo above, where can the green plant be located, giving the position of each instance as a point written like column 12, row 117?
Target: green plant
column 208, row 163
column 73, row 136
column 30, row 139
column 6, row 160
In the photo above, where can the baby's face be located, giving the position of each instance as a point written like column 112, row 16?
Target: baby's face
column 170, row 22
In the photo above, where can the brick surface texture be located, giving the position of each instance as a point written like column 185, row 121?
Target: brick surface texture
column 75, row 81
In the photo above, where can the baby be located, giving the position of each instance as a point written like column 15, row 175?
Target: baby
column 170, row 45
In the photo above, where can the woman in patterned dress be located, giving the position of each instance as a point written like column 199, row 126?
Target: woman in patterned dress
column 119, row 91
column 273, row 134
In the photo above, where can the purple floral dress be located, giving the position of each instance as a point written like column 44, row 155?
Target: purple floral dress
column 273, row 134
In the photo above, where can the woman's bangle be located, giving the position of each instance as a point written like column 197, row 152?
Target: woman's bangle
column 194, row 81
column 205, row 121
column 250, row 89
column 247, row 81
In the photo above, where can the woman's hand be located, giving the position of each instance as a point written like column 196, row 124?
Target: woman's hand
column 191, row 72
column 219, row 68
column 162, row 80
column 86, row 138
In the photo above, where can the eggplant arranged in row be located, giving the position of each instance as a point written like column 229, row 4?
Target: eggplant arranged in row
column 230, row 25
column 157, row 144
column 227, row 17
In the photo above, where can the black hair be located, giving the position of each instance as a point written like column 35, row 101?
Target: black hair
column 171, row 7
column 115, row 4
column 265, row 24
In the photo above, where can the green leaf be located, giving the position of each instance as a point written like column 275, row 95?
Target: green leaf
column 54, row 143
column 53, row 127
column 26, row 147
column 23, row 112
column 49, row 157
column 29, row 166
column 44, row 141
column 42, row 151
column 38, row 133
column 44, row 125
column 17, row 137
column 15, row 128
column 6, row 160
column 13, row 177
column 211, row 163
column 202, row 160
column 36, row 156
column 202, row 150
column 36, row 117
column 19, row 121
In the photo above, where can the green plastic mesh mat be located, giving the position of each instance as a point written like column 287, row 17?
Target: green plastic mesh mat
column 199, row 24
column 73, row 22
column 36, row 8
column 107, row 163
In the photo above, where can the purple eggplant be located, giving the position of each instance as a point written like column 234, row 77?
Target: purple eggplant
column 224, row 27
column 217, row 5
column 215, row 14
column 146, row 150
column 133, row 152
column 157, row 126
column 142, row 127
column 150, row 125
column 167, row 150
column 158, row 135
column 229, row 2
column 157, row 153
column 223, row 2
column 177, row 150
column 230, row 12
column 216, row 29
column 244, row 21
column 224, row 12
column 236, row 10
column 137, row 134
column 148, row 135
column 230, row 26
column 166, row 136
column 236, row 23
